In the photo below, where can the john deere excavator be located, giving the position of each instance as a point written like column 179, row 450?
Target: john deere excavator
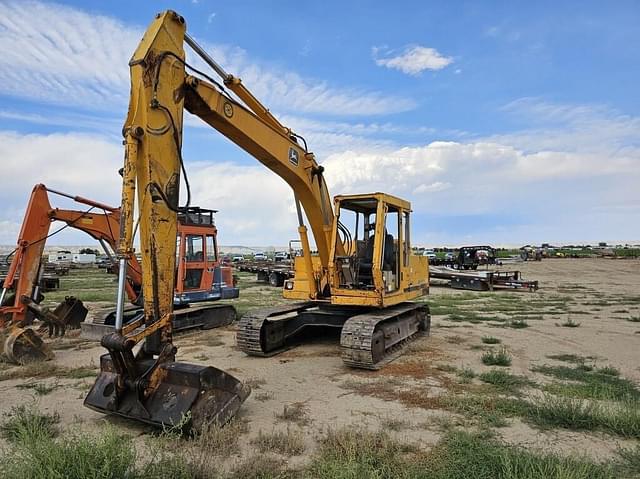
column 200, row 276
column 361, row 280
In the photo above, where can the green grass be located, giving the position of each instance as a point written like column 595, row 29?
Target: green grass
column 630, row 459
column 481, row 406
column 348, row 454
column 490, row 340
column 570, row 358
column 466, row 455
column 500, row 357
column 357, row 453
column 505, row 382
column 24, row 423
column 109, row 456
column 585, row 382
column 621, row 418
column 466, row 375
column 254, row 294
column 86, row 284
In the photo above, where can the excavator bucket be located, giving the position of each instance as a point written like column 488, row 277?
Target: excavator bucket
column 24, row 345
column 203, row 394
column 71, row 312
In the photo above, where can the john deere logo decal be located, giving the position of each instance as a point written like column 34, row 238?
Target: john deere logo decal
column 293, row 156
column 228, row 110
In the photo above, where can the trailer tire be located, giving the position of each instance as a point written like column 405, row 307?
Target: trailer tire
column 276, row 279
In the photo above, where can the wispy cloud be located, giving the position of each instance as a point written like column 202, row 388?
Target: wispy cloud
column 55, row 53
column 591, row 186
column 81, row 164
column 413, row 60
column 59, row 54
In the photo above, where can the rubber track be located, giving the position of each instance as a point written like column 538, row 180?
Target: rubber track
column 250, row 326
column 357, row 336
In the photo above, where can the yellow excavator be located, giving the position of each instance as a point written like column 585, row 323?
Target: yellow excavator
column 361, row 280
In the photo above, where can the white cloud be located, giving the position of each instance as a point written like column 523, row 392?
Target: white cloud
column 413, row 60
column 59, row 54
column 256, row 206
column 9, row 231
column 567, row 189
column 85, row 165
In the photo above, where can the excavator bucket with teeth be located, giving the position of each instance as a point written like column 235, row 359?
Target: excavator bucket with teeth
column 202, row 394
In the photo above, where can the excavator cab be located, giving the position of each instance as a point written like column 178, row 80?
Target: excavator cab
column 371, row 254
column 199, row 275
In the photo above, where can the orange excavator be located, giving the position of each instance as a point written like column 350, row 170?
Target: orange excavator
column 200, row 276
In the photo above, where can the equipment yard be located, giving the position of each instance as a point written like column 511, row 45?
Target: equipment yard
column 554, row 371
column 389, row 340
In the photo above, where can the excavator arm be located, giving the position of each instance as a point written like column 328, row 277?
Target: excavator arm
column 24, row 271
column 147, row 383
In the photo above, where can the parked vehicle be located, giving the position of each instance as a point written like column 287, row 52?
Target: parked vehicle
column 282, row 255
column 260, row 256
column 429, row 253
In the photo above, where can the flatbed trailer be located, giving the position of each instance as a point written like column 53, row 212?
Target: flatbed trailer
column 275, row 273
column 482, row 280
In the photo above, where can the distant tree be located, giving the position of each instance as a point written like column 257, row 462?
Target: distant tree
column 89, row 251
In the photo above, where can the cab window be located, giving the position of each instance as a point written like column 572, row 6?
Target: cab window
column 194, row 249
column 211, row 248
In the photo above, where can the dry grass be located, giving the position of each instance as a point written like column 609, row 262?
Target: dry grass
column 288, row 443
column 255, row 383
column 263, row 396
column 394, row 424
column 259, row 467
column 47, row 369
column 296, row 412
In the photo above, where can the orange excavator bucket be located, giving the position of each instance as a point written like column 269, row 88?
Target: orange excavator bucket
column 23, row 345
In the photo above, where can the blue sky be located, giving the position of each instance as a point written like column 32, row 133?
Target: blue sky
column 502, row 122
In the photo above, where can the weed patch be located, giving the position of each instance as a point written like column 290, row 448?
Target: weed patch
column 497, row 358
column 622, row 419
column 25, row 423
column 295, row 412
column 505, row 382
column 466, row 375
column 587, row 383
column 290, row 443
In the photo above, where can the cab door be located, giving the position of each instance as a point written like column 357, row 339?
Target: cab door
column 193, row 262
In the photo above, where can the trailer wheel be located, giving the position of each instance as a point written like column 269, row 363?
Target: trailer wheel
column 276, row 279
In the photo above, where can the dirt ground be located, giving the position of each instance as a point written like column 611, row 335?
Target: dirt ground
column 601, row 294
